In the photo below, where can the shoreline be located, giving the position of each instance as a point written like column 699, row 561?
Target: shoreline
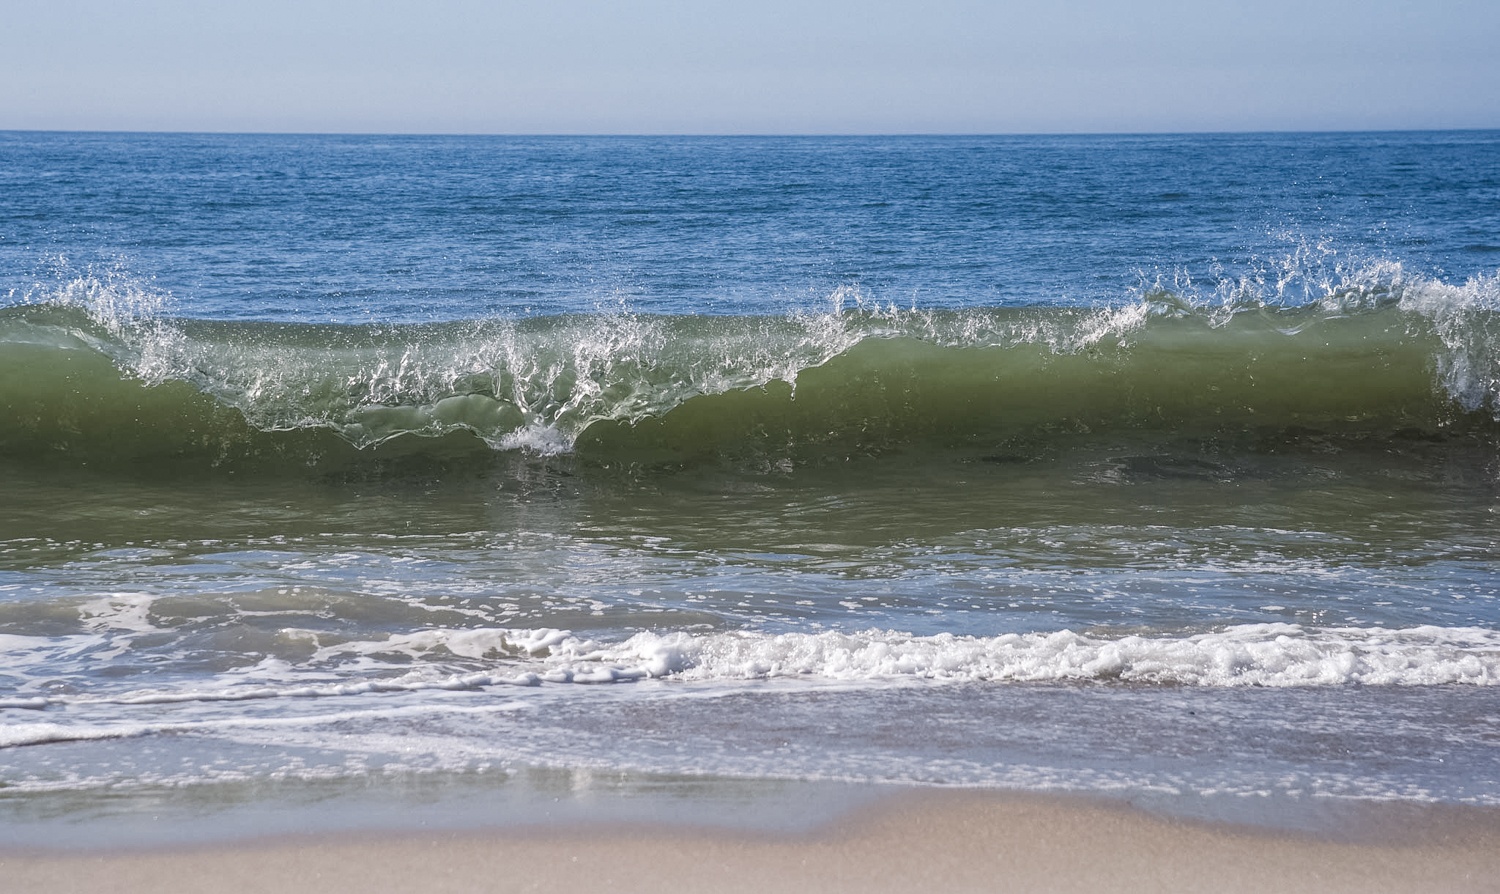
column 944, row 840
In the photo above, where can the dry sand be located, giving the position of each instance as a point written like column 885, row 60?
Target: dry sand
column 938, row 841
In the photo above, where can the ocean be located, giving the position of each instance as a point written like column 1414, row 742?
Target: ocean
column 433, row 473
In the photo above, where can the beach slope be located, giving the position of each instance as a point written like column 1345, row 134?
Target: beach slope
column 948, row 841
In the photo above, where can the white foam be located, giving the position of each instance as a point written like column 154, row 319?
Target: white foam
column 1278, row 655
column 13, row 735
column 1250, row 655
column 1466, row 319
column 1245, row 655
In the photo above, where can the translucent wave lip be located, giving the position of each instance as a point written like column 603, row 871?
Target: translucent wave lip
column 1390, row 354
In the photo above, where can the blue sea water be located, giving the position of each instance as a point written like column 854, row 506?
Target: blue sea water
column 1154, row 465
column 417, row 229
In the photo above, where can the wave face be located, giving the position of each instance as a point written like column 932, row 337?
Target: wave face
column 97, row 371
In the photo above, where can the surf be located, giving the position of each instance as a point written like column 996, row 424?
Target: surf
column 98, row 372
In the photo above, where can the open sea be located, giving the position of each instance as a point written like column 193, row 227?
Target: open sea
column 1158, row 467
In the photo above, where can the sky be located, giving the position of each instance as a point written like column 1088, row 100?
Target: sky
column 751, row 66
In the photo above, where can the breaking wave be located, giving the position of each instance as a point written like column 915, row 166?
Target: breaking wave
column 1258, row 655
column 96, row 370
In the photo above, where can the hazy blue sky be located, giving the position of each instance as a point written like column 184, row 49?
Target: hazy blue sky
column 753, row 66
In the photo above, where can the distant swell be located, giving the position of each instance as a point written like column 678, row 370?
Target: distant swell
column 96, row 372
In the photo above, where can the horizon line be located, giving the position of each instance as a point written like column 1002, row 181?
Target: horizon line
column 749, row 134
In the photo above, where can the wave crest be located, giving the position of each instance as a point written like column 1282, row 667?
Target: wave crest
column 1376, row 346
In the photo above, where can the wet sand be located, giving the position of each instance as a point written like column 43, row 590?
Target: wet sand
column 927, row 841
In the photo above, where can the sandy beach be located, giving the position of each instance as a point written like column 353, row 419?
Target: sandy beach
column 932, row 841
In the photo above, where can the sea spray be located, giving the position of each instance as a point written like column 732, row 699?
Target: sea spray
column 1379, row 352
